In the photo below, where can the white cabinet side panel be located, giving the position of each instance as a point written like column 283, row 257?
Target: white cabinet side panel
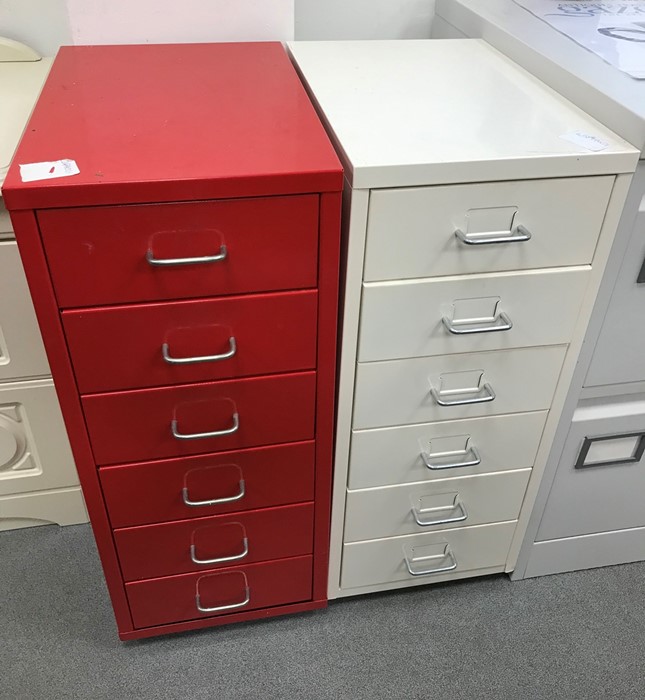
column 354, row 225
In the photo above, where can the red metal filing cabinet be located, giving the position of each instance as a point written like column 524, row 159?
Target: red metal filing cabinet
column 186, row 284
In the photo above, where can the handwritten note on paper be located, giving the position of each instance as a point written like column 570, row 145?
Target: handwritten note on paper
column 47, row 170
column 613, row 29
column 588, row 141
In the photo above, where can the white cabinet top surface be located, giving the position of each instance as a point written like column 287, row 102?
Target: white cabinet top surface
column 605, row 92
column 408, row 113
column 20, row 85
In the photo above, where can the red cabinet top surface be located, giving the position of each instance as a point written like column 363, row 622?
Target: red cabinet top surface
column 173, row 122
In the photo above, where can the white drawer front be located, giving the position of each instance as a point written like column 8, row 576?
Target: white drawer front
column 399, row 455
column 406, row 319
column 34, row 450
column 21, row 347
column 605, row 497
column 398, row 392
column 411, row 232
column 384, row 560
column 438, row 505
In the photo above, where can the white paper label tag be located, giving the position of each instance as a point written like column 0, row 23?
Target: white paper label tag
column 580, row 138
column 29, row 172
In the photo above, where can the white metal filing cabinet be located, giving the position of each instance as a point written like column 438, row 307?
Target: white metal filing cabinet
column 38, row 480
column 476, row 237
column 586, row 515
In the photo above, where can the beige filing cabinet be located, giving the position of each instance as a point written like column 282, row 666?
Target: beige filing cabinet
column 477, row 228
column 38, row 480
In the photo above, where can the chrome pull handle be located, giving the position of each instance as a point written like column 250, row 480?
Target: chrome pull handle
column 500, row 323
column 215, row 501
column 158, row 262
column 485, row 394
column 456, row 505
column 471, row 459
column 215, row 433
column 221, row 560
column 517, row 235
column 219, row 608
column 447, row 553
column 204, row 358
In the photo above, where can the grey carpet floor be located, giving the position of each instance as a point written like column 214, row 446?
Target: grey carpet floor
column 573, row 636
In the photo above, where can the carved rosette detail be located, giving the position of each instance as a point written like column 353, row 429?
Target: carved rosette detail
column 15, row 455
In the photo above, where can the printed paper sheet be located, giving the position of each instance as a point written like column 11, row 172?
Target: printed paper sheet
column 615, row 29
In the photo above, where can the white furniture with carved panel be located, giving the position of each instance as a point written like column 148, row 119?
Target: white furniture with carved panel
column 38, row 480
column 476, row 235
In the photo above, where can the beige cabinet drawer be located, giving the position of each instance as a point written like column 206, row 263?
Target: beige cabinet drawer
column 438, row 505
column 470, row 314
column 401, row 455
column 6, row 229
column 34, row 450
column 436, row 556
column 400, row 392
column 21, row 347
column 411, row 232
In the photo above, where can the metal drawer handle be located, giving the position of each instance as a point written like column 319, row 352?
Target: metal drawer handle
column 463, row 515
column 439, row 570
column 219, row 608
column 218, row 257
column 485, row 394
column 500, row 323
column 204, row 358
column 471, row 459
column 216, row 501
column 215, row 433
column 517, row 235
column 221, row 560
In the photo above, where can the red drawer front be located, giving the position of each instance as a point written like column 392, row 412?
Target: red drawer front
column 216, row 542
column 152, row 492
column 123, row 347
column 137, row 425
column 98, row 255
column 175, row 598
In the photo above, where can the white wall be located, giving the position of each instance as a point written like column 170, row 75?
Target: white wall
column 43, row 24
column 47, row 24
column 363, row 19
